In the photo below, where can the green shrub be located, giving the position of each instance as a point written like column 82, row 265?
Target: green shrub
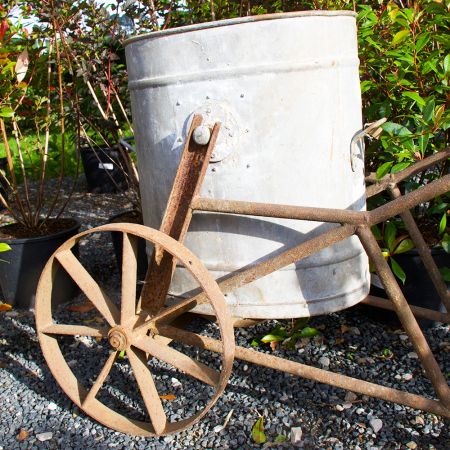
column 405, row 72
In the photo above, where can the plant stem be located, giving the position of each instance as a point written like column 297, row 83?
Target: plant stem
column 44, row 154
column 12, row 174
column 56, row 32
column 28, row 208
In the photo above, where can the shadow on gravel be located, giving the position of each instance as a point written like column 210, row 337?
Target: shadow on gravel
column 33, row 372
column 284, row 400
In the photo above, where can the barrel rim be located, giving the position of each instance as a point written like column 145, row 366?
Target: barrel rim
column 237, row 21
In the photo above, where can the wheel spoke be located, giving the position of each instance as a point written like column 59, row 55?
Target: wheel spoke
column 178, row 360
column 100, row 379
column 129, row 276
column 169, row 314
column 148, row 390
column 88, row 285
column 73, row 330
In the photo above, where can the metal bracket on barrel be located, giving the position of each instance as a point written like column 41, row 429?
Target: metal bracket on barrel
column 191, row 171
column 356, row 145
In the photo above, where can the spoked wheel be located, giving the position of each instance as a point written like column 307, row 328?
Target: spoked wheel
column 125, row 342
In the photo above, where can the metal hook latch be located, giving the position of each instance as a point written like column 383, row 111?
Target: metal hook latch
column 373, row 130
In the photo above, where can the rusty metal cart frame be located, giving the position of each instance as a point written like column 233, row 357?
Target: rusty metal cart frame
column 146, row 329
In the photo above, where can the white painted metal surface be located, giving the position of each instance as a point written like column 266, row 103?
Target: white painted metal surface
column 286, row 89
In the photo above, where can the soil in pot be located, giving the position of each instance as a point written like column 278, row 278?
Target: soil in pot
column 22, row 265
column 418, row 289
column 117, row 240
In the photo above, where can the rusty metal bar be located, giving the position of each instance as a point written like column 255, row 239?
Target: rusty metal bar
column 405, row 315
column 424, row 251
column 178, row 214
column 312, row 373
column 280, row 211
column 418, row 311
column 408, row 201
column 252, row 273
column 382, row 184
column 373, row 217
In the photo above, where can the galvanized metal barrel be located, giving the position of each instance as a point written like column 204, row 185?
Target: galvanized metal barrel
column 286, row 89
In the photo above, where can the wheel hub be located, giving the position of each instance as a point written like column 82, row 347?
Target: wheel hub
column 118, row 339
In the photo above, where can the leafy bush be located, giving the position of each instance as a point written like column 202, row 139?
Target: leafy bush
column 405, row 73
column 36, row 103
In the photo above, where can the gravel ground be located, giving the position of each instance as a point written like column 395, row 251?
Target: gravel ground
column 36, row 414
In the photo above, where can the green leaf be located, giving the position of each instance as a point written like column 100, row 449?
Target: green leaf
column 439, row 112
column 309, row 332
column 377, row 233
column 438, row 208
column 447, row 64
column 404, row 246
column 392, row 13
column 6, row 111
column 414, row 96
column 399, row 37
column 395, row 129
column 300, row 323
column 279, row 330
column 399, row 167
column 408, row 13
column 374, row 43
column 445, row 272
column 401, row 132
column 398, row 271
column 4, row 247
column 422, row 40
column 258, row 434
column 384, row 169
column 446, row 242
column 443, row 224
column 430, row 66
column 390, row 230
column 367, row 85
column 254, row 343
column 423, row 142
column 280, row 438
column 445, row 125
column 428, row 110
column 122, row 354
column 272, row 338
column 9, row 67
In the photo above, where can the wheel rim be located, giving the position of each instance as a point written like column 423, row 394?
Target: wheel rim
column 131, row 332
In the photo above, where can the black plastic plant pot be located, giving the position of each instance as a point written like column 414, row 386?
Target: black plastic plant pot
column 104, row 169
column 21, row 268
column 418, row 289
column 117, row 240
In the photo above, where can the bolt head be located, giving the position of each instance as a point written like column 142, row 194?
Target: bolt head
column 117, row 339
column 201, row 135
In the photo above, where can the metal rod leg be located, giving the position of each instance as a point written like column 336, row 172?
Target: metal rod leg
column 424, row 251
column 423, row 313
column 405, row 315
column 312, row 373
